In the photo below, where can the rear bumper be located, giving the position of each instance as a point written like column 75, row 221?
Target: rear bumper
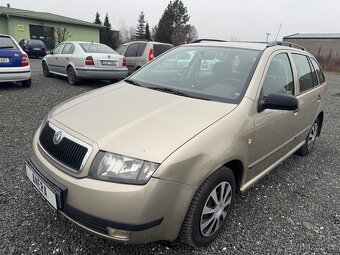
column 86, row 73
column 11, row 74
column 36, row 53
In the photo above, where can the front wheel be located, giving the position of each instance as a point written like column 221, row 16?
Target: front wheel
column 46, row 70
column 310, row 139
column 209, row 208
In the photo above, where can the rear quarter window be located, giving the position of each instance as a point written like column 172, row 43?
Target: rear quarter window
column 7, row 43
column 161, row 48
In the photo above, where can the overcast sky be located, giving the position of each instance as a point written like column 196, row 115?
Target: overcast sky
column 222, row 19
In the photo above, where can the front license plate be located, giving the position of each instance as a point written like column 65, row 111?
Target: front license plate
column 36, row 48
column 4, row 60
column 109, row 63
column 42, row 187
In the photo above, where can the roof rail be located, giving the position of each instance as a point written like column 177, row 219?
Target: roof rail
column 207, row 40
column 287, row 44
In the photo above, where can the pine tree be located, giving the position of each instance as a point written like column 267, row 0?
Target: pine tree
column 147, row 35
column 172, row 23
column 140, row 30
column 106, row 34
column 97, row 20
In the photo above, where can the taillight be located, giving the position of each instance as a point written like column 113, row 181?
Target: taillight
column 24, row 60
column 124, row 61
column 89, row 61
column 151, row 54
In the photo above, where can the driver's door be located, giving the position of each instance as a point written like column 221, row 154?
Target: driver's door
column 274, row 129
column 53, row 59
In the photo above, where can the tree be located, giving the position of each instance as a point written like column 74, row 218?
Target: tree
column 147, row 35
column 126, row 34
column 140, row 30
column 173, row 27
column 106, row 34
column 62, row 34
column 97, row 19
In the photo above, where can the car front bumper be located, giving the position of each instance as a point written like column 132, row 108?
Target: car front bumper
column 97, row 73
column 12, row 74
column 150, row 212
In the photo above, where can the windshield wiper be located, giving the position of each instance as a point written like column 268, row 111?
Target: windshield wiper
column 6, row 47
column 176, row 92
column 133, row 82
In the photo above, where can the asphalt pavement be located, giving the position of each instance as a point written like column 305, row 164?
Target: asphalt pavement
column 293, row 210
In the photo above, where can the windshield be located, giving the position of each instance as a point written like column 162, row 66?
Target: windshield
column 212, row 73
column 96, row 48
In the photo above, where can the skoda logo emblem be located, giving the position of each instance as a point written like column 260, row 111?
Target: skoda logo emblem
column 109, row 56
column 57, row 137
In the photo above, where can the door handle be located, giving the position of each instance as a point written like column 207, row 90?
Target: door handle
column 67, row 59
column 56, row 58
column 319, row 98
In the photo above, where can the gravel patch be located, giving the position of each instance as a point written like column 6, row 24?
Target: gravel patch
column 293, row 210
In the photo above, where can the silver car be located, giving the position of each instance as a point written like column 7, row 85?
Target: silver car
column 84, row 60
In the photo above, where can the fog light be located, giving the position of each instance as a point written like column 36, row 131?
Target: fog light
column 119, row 234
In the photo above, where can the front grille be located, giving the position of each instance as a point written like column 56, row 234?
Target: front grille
column 67, row 152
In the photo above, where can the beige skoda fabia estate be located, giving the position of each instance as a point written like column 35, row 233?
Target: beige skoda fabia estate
column 164, row 153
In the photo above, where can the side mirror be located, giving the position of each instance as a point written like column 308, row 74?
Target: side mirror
column 48, row 52
column 51, row 52
column 279, row 101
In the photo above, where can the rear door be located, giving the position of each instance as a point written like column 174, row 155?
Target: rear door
column 10, row 54
column 309, row 92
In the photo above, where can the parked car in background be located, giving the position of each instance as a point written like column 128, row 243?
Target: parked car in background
column 14, row 62
column 85, row 60
column 165, row 152
column 33, row 47
column 138, row 53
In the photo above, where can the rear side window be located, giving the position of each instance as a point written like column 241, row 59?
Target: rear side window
column 141, row 49
column 304, row 72
column 7, row 43
column 161, row 48
column 132, row 50
column 318, row 71
column 279, row 77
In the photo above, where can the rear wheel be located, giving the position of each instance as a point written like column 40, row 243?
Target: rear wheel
column 46, row 70
column 310, row 139
column 209, row 208
column 26, row 83
column 72, row 76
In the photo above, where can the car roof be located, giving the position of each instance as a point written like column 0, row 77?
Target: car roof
column 141, row 41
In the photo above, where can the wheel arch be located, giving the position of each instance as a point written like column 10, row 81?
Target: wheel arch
column 237, row 167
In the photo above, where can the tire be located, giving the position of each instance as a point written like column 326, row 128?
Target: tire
column 26, row 83
column 72, row 76
column 46, row 70
column 309, row 145
column 205, row 218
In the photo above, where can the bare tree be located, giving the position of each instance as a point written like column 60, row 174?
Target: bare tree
column 62, row 34
column 126, row 33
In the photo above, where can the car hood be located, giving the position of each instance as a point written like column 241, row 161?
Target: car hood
column 138, row 122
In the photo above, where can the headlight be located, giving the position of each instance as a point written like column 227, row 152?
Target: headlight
column 117, row 168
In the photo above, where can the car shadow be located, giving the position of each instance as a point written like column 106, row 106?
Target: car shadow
column 11, row 86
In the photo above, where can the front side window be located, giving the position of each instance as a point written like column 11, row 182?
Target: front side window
column 67, row 48
column 304, row 72
column 279, row 77
column 202, row 72
column 58, row 49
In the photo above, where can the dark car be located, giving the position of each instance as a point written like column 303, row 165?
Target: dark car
column 33, row 47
